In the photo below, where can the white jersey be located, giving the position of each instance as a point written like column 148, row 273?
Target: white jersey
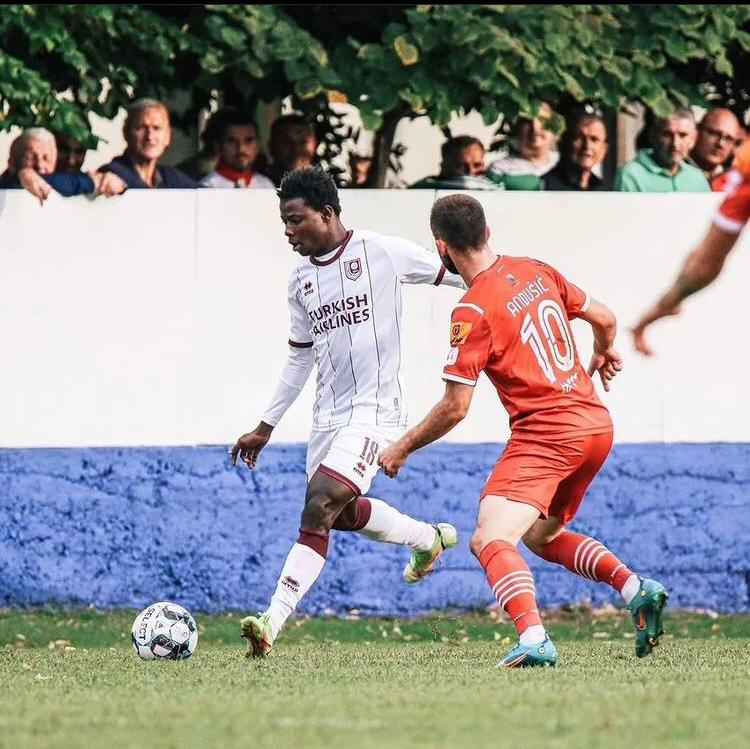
column 257, row 181
column 347, row 306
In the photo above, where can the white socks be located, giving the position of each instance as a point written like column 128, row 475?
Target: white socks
column 387, row 524
column 630, row 589
column 533, row 635
column 300, row 571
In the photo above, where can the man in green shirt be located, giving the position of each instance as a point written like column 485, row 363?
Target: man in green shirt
column 663, row 167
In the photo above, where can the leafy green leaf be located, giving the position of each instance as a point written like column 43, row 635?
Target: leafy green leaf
column 406, row 51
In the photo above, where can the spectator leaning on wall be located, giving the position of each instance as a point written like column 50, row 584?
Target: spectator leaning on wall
column 582, row 147
column 239, row 149
column 32, row 166
column 71, row 153
column 664, row 167
column 148, row 134
column 462, row 167
column 719, row 136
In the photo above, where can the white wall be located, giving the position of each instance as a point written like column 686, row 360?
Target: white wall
column 160, row 318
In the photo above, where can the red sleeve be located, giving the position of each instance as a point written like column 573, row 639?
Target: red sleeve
column 471, row 345
column 734, row 211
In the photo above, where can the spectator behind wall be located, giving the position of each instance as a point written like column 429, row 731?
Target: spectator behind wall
column 663, row 167
column 32, row 166
column 71, row 153
column 238, row 149
column 582, row 146
column 292, row 145
column 148, row 134
column 719, row 136
column 532, row 153
column 200, row 164
column 462, row 167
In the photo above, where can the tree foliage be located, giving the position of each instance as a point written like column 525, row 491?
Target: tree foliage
column 388, row 61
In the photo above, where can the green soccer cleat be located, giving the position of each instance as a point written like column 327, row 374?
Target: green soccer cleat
column 542, row 654
column 257, row 631
column 646, row 609
column 423, row 562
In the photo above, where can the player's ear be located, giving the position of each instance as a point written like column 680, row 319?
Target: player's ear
column 487, row 234
column 327, row 212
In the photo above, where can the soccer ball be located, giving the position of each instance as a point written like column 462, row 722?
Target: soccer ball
column 164, row 630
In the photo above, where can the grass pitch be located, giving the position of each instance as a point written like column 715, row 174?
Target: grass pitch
column 70, row 679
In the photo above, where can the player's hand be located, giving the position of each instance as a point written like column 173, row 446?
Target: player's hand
column 35, row 184
column 607, row 363
column 249, row 445
column 639, row 330
column 392, row 459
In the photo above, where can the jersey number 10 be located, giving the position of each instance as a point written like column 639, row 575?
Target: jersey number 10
column 564, row 359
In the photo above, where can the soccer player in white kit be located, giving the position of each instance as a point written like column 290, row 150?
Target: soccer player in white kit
column 345, row 305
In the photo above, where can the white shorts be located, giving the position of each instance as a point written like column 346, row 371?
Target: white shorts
column 350, row 454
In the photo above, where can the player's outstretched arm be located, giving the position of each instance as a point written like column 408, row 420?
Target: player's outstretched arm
column 605, row 360
column 445, row 414
column 701, row 267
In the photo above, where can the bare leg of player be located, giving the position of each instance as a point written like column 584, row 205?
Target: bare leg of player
column 500, row 526
column 325, row 500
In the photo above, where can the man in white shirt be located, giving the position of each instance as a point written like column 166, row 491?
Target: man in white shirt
column 239, row 148
column 345, row 305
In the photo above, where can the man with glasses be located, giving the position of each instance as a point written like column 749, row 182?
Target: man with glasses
column 719, row 136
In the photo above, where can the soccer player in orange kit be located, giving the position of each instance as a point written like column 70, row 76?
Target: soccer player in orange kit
column 512, row 323
column 703, row 265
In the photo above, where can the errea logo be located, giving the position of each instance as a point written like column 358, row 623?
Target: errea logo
column 308, row 288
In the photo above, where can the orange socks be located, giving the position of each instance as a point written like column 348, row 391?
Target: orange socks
column 512, row 583
column 586, row 557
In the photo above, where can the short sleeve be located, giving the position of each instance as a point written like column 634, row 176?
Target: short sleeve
column 416, row 264
column 470, row 345
column 299, row 326
column 734, row 211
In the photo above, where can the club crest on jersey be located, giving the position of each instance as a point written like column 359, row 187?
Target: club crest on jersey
column 353, row 269
column 512, row 279
column 460, row 332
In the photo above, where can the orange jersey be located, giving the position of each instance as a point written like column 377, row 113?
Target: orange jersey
column 512, row 324
column 734, row 212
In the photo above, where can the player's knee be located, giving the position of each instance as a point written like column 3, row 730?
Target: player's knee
column 478, row 542
column 320, row 512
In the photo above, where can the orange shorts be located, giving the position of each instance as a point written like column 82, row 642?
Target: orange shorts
column 551, row 475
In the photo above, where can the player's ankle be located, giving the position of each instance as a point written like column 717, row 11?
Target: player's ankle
column 533, row 635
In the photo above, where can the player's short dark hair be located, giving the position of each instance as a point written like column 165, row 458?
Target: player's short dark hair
column 459, row 220
column 314, row 186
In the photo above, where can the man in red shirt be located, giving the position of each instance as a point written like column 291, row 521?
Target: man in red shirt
column 703, row 265
column 512, row 323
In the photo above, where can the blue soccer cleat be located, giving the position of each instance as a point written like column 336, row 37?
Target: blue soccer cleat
column 528, row 656
column 647, row 610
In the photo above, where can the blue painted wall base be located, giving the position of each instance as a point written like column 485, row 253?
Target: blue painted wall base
column 125, row 527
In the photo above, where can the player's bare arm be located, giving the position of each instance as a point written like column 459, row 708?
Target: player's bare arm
column 605, row 360
column 445, row 414
column 701, row 267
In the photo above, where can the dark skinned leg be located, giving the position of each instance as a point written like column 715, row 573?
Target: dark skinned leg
column 325, row 501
